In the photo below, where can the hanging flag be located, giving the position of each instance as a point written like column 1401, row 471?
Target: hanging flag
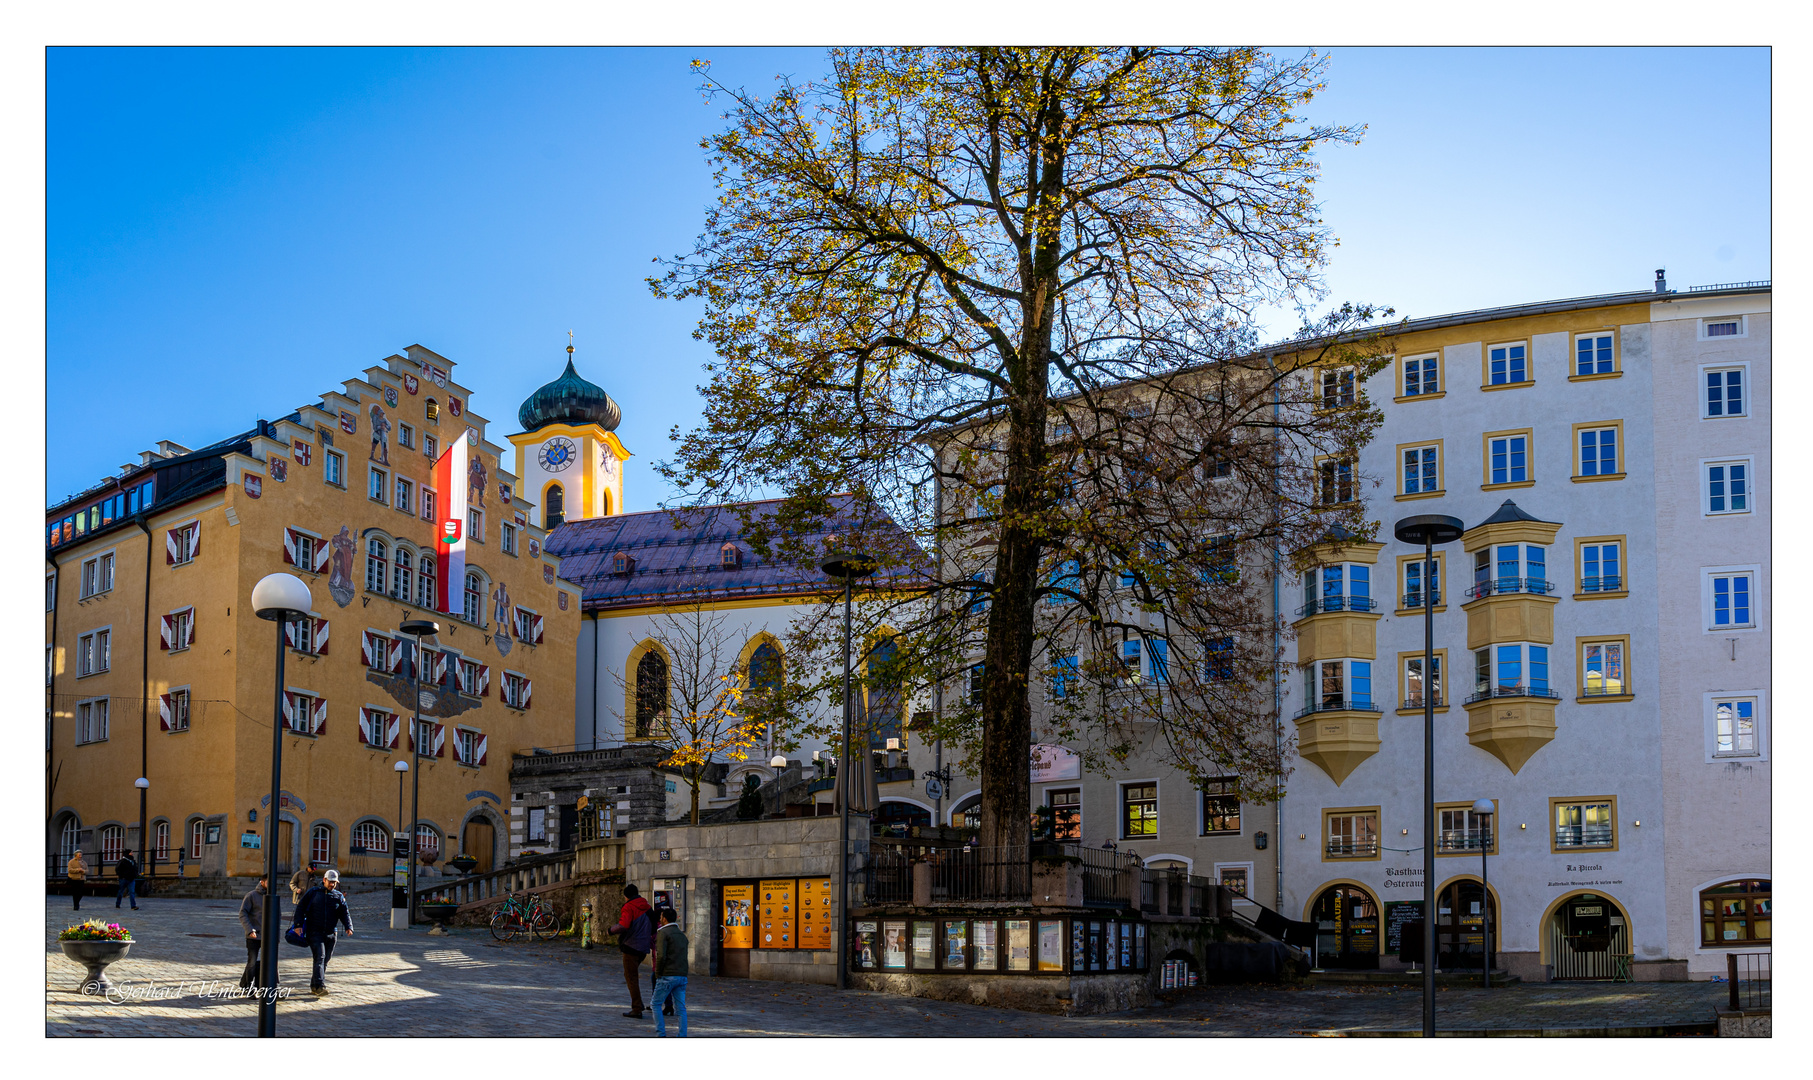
column 450, row 548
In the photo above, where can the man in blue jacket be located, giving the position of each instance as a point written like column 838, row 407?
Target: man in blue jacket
column 322, row 908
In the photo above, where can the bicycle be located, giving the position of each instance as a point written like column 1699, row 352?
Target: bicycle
column 520, row 913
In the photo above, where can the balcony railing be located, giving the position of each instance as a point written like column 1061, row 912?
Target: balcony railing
column 1503, row 585
column 1337, row 705
column 1582, row 836
column 1485, row 692
column 1415, row 599
column 1466, row 840
column 1607, row 583
column 1337, row 603
column 1606, row 688
column 1352, row 849
column 1417, row 702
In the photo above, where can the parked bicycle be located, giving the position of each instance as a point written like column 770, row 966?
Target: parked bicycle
column 523, row 914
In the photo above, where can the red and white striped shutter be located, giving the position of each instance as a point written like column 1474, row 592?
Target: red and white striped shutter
column 440, row 739
column 321, row 637
column 164, row 709
column 166, row 635
column 527, row 688
column 369, row 644
column 289, row 634
column 289, row 546
column 365, row 732
column 289, row 709
column 483, row 741
column 170, row 549
column 323, row 553
column 318, row 722
column 189, row 634
column 396, row 732
column 538, row 623
column 195, row 540
column 395, row 660
column 440, row 668
column 484, row 680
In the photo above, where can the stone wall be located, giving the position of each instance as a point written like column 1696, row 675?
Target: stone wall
column 1073, row 995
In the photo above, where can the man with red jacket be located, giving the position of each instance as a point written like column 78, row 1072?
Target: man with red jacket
column 636, row 936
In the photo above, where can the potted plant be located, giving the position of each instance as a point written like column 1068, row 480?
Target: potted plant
column 463, row 863
column 95, row 944
column 440, row 911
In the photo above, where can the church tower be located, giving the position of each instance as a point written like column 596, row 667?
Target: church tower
column 568, row 458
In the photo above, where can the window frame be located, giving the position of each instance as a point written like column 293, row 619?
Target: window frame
column 83, row 726
column 100, row 640
column 321, row 843
column 1441, row 470
column 1526, row 663
column 1706, row 467
column 1378, row 846
column 521, row 616
column 1122, row 790
column 1059, row 831
column 1581, row 800
column 179, row 641
column 183, row 532
column 1618, row 446
column 1485, row 365
column 405, row 436
column 1443, row 672
column 1706, row 412
column 181, row 711
column 297, row 696
column 1315, row 696
column 1345, row 396
column 1573, row 363
column 364, row 829
column 1581, row 644
column 1743, row 327
column 506, row 538
column 404, row 489
column 1759, row 719
column 475, row 525
column 333, row 468
column 198, row 837
column 1721, row 943
column 1202, row 807
column 1443, row 851
column 1336, row 461
column 377, row 480
column 1581, row 543
column 1529, row 459
column 1708, row 575
column 1402, row 376
column 83, row 592
column 1402, row 584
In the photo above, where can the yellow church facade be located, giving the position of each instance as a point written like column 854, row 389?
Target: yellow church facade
column 156, row 666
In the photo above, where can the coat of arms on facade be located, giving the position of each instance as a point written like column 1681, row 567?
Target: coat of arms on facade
column 411, row 384
column 300, row 451
column 562, row 601
column 279, row 468
column 535, row 549
column 348, row 423
column 547, row 575
column 455, row 406
column 254, row 485
column 340, row 578
column 390, row 396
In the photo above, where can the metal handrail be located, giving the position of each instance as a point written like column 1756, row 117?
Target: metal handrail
column 1337, row 705
column 1602, row 583
column 1352, row 848
column 1410, row 703
column 1337, row 603
column 1415, row 599
column 1513, row 691
column 1498, row 585
column 1466, row 840
column 1571, row 836
column 1608, row 688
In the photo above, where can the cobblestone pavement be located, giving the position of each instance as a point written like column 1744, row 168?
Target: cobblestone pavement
column 389, row 983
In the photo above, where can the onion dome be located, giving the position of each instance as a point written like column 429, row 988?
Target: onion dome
column 569, row 400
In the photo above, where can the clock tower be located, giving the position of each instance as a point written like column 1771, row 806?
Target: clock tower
column 568, row 457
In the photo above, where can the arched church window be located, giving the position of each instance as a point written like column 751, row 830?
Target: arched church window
column 651, row 692
column 556, row 511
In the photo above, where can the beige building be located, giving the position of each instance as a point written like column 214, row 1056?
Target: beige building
column 157, row 668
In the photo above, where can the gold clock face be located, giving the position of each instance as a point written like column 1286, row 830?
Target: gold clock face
column 557, row 454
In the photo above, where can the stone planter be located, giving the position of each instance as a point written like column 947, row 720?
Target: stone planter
column 440, row 913
column 95, row 956
column 463, row 864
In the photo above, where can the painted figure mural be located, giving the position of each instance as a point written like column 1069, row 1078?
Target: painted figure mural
column 380, row 429
column 340, row 578
column 476, row 477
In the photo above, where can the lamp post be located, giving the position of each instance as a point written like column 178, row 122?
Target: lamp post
column 418, row 629
column 143, row 786
column 399, row 899
column 1428, row 530
column 275, row 598
column 1483, row 810
column 848, row 566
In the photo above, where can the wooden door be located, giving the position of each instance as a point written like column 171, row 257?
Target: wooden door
column 478, row 843
column 286, row 853
column 1459, row 929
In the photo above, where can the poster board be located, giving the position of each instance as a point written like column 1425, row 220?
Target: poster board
column 1398, row 915
column 777, row 913
column 739, row 916
column 817, row 913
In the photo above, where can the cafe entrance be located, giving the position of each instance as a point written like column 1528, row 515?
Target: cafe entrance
column 1460, row 920
column 1347, row 929
column 1589, row 939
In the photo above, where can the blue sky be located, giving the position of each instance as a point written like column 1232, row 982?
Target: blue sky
column 232, row 232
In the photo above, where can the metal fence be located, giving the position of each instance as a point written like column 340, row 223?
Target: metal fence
column 1748, row 974
column 966, row 874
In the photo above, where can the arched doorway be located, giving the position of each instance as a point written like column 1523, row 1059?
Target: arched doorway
column 479, row 840
column 1588, row 938
column 894, row 818
column 1461, row 915
column 1347, row 928
column 968, row 813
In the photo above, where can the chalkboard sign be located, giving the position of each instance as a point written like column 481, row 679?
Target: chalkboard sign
column 1397, row 915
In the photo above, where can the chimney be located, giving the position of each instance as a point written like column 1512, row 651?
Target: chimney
column 1661, row 281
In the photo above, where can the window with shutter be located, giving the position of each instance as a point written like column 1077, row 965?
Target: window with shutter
column 535, row 638
column 374, row 649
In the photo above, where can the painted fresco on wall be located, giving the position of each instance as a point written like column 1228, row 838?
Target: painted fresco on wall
column 340, row 580
column 500, row 599
column 380, row 428
column 535, row 553
column 476, row 477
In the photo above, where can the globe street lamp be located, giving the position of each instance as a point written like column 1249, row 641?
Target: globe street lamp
column 1429, row 530
column 399, row 884
column 275, row 598
column 418, row 629
column 1483, row 810
column 849, row 566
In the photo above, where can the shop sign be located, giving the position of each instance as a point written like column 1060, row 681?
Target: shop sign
column 739, row 915
column 1398, row 915
column 1051, row 762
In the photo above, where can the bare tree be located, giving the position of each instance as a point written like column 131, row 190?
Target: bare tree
column 1003, row 296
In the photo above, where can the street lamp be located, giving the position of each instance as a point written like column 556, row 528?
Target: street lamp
column 399, row 900
column 275, row 598
column 1483, row 810
column 849, row 566
column 418, row 629
column 143, row 785
column 1429, row 530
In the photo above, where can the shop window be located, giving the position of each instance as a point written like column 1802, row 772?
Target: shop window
column 1234, row 879
column 1735, row 913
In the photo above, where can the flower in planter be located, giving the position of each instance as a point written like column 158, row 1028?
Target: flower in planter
column 96, row 930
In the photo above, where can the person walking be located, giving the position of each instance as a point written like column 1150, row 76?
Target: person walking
column 635, row 932
column 322, row 908
column 670, row 972
column 127, row 869
column 251, row 917
column 78, row 876
column 301, row 882
column 660, row 913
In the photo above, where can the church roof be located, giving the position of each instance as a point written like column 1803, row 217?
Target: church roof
column 678, row 555
column 569, row 400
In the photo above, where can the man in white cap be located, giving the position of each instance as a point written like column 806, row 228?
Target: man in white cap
column 322, row 908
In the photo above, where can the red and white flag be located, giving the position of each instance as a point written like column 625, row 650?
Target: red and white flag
column 450, row 544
